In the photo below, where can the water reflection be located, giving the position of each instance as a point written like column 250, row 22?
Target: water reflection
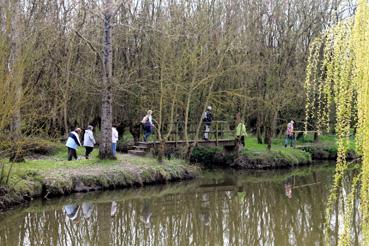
column 146, row 213
column 87, row 209
column 263, row 208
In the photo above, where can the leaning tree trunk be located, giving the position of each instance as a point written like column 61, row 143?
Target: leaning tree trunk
column 106, row 107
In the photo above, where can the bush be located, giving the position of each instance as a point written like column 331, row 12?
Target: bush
column 211, row 156
column 125, row 143
column 27, row 146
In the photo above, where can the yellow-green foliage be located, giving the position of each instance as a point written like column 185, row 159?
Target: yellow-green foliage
column 338, row 71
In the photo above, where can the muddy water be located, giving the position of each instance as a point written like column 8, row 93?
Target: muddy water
column 221, row 208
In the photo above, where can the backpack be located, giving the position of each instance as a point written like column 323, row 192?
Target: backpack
column 145, row 120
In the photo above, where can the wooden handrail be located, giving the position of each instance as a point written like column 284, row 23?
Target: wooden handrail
column 220, row 127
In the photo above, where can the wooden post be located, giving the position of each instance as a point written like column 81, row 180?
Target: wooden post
column 176, row 135
column 216, row 133
column 316, row 136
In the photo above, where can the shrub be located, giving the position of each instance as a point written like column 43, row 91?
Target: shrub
column 211, row 156
column 27, row 146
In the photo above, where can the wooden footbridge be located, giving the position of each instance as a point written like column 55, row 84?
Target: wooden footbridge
column 220, row 135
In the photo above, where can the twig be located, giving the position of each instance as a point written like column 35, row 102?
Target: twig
column 47, row 195
column 92, row 47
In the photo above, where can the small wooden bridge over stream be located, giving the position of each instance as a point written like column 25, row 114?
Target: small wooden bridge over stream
column 220, row 134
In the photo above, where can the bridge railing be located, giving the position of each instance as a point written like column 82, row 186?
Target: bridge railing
column 219, row 130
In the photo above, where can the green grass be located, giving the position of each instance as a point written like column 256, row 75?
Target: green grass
column 254, row 154
column 327, row 143
column 256, row 151
column 60, row 176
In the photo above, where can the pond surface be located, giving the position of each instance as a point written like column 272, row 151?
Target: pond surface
column 222, row 208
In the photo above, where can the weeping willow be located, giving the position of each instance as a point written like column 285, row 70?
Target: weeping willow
column 337, row 78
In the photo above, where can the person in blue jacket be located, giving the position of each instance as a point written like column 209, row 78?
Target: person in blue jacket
column 73, row 143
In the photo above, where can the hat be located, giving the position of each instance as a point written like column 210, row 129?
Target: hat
column 90, row 127
column 209, row 107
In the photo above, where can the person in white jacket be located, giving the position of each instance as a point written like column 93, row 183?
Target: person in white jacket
column 89, row 141
column 114, row 140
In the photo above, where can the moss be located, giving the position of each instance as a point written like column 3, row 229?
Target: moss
column 55, row 177
column 281, row 158
column 327, row 151
column 254, row 156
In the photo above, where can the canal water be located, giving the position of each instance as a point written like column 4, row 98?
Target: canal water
column 283, row 207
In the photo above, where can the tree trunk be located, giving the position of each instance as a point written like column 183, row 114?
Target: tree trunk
column 12, row 65
column 316, row 137
column 258, row 129
column 105, row 151
column 268, row 137
column 15, row 69
column 161, row 151
column 269, row 131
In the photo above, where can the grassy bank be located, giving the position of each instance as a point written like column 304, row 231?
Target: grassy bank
column 49, row 176
column 254, row 156
column 325, row 148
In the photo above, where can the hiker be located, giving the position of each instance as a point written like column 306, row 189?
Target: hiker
column 289, row 134
column 207, row 118
column 73, row 143
column 241, row 135
column 114, row 140
column 89, row 140
column 147, row 125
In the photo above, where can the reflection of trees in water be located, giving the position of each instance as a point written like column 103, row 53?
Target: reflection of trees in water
column 249, row 214
column 336, row 223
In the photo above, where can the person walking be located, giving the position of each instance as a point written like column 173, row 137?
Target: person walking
column 289, row 134
column 73, row 143
column 114, row 140
column 88, row 141
column 241, row 135
column 207, row 118
column 147, row 125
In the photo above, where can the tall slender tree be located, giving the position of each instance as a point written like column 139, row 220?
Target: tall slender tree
column 107, row 95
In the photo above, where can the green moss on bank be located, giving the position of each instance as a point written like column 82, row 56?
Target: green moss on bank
column 54, row 176
column 254, row 156
column 275, row 158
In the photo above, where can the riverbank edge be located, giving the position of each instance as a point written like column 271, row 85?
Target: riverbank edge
column 64, row 181
column 273, row 159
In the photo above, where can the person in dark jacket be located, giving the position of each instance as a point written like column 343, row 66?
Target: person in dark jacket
column 207, row 118
column 73, row 143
